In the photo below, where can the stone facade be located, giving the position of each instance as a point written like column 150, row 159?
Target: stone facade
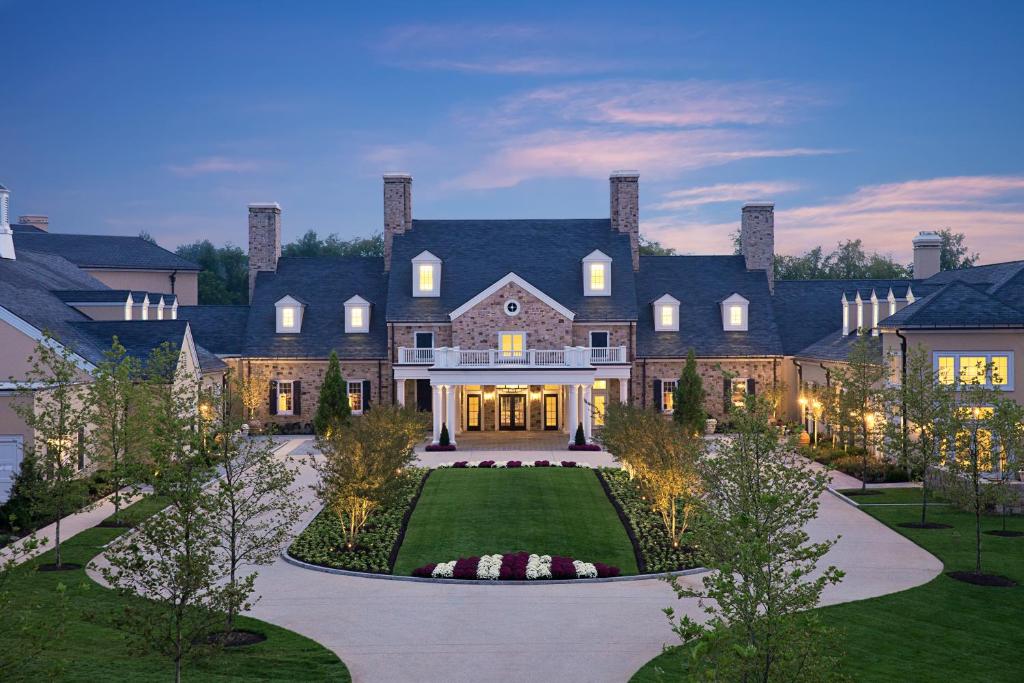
column 397, row 210
column 403, row 335
column 757, row 238
column 478, row 328
column 264, row 240
column 763, row 372
column 619, row 334
column 625, row 209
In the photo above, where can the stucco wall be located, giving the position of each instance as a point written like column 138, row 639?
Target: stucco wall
column 545, row 327
column 186, row 284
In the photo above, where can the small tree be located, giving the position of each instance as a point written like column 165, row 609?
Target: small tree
column 663, row 456
column 688, row 399
column 333, row 410
column 579, row 438
column 444, row 439
column 252, row 389
column 917, row 406
column 256, row 501
column 53, row 396
column 363, row 461
column 758, row 500
column 110, row 408
column 860, row 397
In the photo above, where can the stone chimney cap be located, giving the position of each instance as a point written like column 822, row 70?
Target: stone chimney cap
column 928, row 238
column 625, row 174
column 265, row 205
column 397, row 176
column 759, row 205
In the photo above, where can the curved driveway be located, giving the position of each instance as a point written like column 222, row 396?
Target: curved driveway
column 405, row 631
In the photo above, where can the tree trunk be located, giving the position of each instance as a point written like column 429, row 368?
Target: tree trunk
column 56, row 538
column 924, row 495
column 977, row 518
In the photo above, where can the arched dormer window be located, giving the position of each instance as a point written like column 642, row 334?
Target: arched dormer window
column 597, row 274
column 426, row 275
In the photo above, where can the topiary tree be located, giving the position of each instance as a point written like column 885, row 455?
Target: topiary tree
column 445, row 439
column 333, row 409
column 580, row 438
column 688, row 398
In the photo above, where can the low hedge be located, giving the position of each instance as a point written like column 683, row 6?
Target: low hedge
column 850, row 462
column 655, row 553
column 322, row 541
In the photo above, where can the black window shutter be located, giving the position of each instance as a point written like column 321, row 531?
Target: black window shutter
column 658, row 398
column 297, row 397
column 273, row 397
column 366, row 394
column 751, row 387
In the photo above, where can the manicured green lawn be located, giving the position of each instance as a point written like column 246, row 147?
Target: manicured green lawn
column 548, row 511
column 93, row 650
column 945, row 630
column 896, row 495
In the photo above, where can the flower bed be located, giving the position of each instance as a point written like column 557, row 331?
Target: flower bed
column 584, row 447
column 655, row 552
column 516, row 567
column 376, row 546
column 511, row 464
column 436, row 447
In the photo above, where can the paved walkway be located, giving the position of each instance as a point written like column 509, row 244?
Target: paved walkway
column 402, row 631
column 513, row 446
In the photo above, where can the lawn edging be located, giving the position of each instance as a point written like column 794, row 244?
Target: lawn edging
column 840, row 496
column 393, row 557
column 641, row 563
column 476, row 582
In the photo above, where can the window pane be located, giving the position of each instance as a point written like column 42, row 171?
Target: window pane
column 599, row 404
column 600, row 384
column 355, row 396
column 424, row 340
column 666, row 316
column 1000, row 370
column 738, row 392
column 288, row 317
column 597, row 276
column 284, row 397
column 946, row 364
column 735, row 315
column 426, row 277
column 668, row 394
column 972, row 369
column 512, row 345
column 357, row 317
column 599, row 339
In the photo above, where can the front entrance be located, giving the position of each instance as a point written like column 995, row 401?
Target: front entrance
column 512, row 412
column 473, row 412
column 550, row 412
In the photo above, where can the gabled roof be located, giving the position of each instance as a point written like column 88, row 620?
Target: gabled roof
column 512, row 278
column 102, row 251
column 836, row 346
column 324, row 283
column 956, row 305
column 736, row 298
column 221, row 329
column 97, row 296
column 700, row 283
column 476, row 253
column 140, row 337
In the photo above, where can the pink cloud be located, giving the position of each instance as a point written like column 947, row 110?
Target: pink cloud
column 722, row 192
column 217, row 164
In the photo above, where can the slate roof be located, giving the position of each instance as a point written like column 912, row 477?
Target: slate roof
column 957, row 305
column 140, row 337
column 221, row 329
column 477, row 253
column 25, row 227
column 102, row 251
column 701, row 283
column 325, row 284
column 837, row 346
column 112, row 296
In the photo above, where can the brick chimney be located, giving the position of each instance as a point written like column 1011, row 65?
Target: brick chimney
column 757, row 238
column 625, row 208
column 264, row 240
column 36, row 221
column 6, row 236
column 397, row 210
column 927, row 254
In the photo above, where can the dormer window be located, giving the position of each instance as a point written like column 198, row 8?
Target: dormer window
column 426, row 275
column 357, row 315
column 160, row 309
column 174, row 310
column 289, row 315
column 597, row 274
column 128, row 308
column 666, row 314
column 846, row 315
column 734, row 314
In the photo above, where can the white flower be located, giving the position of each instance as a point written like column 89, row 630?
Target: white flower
column 538, row 567
column 489, row 567
column 445, row 570
column 584, row 570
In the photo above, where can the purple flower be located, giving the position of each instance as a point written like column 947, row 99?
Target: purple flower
column 568, row 463
column 465, row 568
column 461, row 463
column 605, row 570
column 514, row 463
column 541, row 463
column 562, row 568
column 486, row 464
column 425, row 571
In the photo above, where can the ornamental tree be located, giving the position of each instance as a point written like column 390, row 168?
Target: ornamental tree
column 363, row 463
column 759, row 595
column 251, row 387
column 688, row 398
column 860, row 398
column 333, row 409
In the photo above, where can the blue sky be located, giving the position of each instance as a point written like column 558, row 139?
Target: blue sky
column 871, row 120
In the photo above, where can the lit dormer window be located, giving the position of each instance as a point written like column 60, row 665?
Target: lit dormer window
column 734, row 314
column 289, row 315
column 597, row 274
column 357, row 315
column 666, row 314
column 160, row 309
column 426, row 275
column 128, row 308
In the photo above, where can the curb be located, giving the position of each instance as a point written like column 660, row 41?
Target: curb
column 845, row 499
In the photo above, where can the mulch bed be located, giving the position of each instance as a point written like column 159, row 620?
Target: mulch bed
column 983, row 579
column 926, row 525
column 237, row 638
column 63, row 567
column 1008, row 533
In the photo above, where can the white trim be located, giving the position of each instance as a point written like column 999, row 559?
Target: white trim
column 288, row 301
column 511, row 278
column 37, row 335
column 277, row 397
column 357, row 303
column 425, row 258
column 590, row 338
column 348, row 394
column 660, row 303
column 597, row 257
column 956, row 355
column 735, row 299
column 500, row 377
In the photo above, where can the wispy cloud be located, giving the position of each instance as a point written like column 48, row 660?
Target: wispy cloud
column 722, row 192
column 988, row 209
column 217, row 164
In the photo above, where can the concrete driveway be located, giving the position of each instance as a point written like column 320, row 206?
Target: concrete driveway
column 402, row 631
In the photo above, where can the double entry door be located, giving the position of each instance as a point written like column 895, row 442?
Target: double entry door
column 512, row 412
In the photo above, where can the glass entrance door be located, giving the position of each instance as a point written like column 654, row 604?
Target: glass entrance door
column 550, row 411
column 512, row 411
column 473, row 412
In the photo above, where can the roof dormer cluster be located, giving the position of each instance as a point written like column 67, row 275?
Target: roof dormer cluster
column 864, row 308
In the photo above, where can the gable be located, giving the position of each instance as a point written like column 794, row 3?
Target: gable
column 512, row 278
column 543, row 326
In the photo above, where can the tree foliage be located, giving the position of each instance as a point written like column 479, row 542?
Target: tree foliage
column 688, row 398
column 363, row 462
column 224, row 278
column 333, row 409
column 751, row 533
column 311, row 244
column 860, row 400
column 954, row 253
column 654, row 248
column 848, row 261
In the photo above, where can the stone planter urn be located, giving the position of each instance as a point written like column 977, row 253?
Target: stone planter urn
column 254, row 426
column 805, row 439
column 710, row 425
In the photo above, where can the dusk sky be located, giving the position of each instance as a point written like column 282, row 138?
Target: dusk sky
column 860, row 119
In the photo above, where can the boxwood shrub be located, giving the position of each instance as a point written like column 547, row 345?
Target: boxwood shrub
column 321, row 542
column 646, row 527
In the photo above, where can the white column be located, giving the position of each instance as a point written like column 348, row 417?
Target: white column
column 623, row 386
column 401, row 392
column 436, row 409
column 588, row 411
column 450, row 411
column 574, row 401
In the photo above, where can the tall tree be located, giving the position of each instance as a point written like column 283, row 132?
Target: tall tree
column 688, row 398
column 654, row 248
column 333, row 409
column 760, row 592
column 224, row 278
column 52, row 396
column 860, row 397
column 954, row 254
column 848, row 261
column 310, row 244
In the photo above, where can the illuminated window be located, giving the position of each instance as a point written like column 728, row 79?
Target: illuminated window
column 993, row 369
column 735, row 315
column 426, row 275
column 355, row 396
column 1000, row 370
column 288, row 317
column 947, row 365
column 512, row 344
column 357, row 315
column 667, row 316
column 426, row 278
column 600, row 402
column 738, row 391
column 597, row 276
column 600, row 384
column 285, row 398
column 972, row 369
column 668, row 391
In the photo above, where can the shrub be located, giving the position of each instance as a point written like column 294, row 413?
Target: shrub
column 333, row 409
column 445, row 439
column 580, row 439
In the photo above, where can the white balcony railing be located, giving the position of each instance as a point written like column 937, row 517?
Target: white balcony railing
column 567, row 357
